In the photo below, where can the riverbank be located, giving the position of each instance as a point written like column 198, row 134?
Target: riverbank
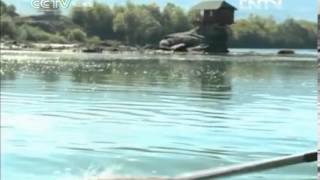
column 235, row 55
column 147, row 49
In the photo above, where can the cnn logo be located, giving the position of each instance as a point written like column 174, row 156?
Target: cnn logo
column 260, row 4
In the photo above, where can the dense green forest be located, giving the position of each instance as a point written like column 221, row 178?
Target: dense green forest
column 146, row 24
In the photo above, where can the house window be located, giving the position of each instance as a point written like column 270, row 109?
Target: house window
column 211, row 13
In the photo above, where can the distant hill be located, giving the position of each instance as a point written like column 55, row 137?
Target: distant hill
column 51, row 24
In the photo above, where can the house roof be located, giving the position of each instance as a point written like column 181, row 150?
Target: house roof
column 213, row 5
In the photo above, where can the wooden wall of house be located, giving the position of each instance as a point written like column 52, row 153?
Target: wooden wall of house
column 221, row 17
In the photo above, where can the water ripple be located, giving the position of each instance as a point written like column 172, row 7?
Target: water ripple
column 151, row 116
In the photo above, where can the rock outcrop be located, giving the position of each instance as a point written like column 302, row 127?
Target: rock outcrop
column 209, row 39
column 182, row 41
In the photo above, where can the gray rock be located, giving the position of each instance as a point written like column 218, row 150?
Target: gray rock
column 179, row 47
column 286, row 52
column 181, row 41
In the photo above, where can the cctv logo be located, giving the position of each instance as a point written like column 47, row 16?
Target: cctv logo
column 50, row 4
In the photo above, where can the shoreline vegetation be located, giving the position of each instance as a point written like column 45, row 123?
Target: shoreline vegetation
column 133, row 27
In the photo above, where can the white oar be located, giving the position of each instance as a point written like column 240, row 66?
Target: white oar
column 232, row 170
column 250, row 167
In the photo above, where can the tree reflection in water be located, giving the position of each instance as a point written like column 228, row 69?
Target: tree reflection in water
column 203, row 77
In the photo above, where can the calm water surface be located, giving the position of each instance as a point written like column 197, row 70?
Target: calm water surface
column 72, row 120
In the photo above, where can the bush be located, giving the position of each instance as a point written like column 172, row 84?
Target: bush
column 35, row 34
column 75, row 35
column 57, row 39
column 94, row 40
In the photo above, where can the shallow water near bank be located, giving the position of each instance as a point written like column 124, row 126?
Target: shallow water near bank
column 77, row 119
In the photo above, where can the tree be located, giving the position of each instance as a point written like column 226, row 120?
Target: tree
column 127, row 23
column 138, row 24
column 95, row 20
column 3, row 8
column 154, row 11
column 265, row 32
column 120, row 27
column 7, row 10
column 255, row 31
column 194, row 17
column 8, row 27
column 11, row 11
column 149, row 30
column 174, row 19
column 79, row 16
column 292, row 34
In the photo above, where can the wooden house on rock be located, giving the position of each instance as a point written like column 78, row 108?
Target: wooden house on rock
column 215, row 12
column 211, row 19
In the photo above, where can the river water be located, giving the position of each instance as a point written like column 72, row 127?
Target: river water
column 74, row 119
